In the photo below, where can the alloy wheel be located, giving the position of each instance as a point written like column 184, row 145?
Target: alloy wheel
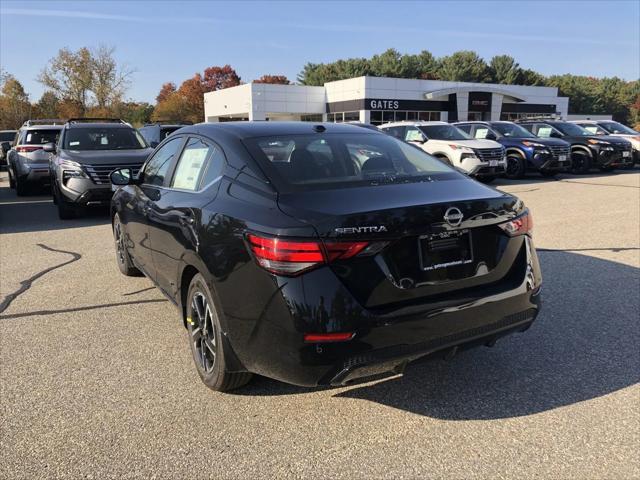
column 119, row 237
column 203, row 333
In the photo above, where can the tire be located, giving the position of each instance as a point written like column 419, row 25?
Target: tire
column 580, row 162
column 22, row 188
column 202, row 317
column 123, row 259
column 516, row 166
column 548, row 174
column 65, row 211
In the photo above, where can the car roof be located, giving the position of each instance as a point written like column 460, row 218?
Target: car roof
column 97, row 124
column 416, row 123
column 43, row 127
column 5, row 131
column 248, row 129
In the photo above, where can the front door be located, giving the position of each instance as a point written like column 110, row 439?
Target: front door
column 149, row 190
column 175, row 218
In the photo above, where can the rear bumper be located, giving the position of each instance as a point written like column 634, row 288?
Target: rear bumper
column 33, row 172
column 273, row 346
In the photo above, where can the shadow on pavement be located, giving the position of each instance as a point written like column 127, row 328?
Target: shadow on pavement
column 584, row 345
column 37, row 213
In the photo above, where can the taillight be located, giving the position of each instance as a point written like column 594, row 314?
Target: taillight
column 287, row 257
column 28, row 148
column 519, row 226
column 328, row 337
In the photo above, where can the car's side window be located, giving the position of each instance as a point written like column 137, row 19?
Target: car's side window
column 192, row 164
column 465, row 128
column 157, row 167
column 397, row 132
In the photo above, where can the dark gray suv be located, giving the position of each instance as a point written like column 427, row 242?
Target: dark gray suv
column 86, row 153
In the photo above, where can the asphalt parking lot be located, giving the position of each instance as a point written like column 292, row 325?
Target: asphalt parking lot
column 97, row 378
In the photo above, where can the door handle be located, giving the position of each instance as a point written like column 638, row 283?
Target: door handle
column 186, row 220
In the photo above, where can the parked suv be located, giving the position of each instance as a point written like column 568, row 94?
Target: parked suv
column 609, row 127
column 525, row 151
column 88, row 150
column 314, row 253
column 27, row 162
column 156, row 132
column 587, row 150
column 7, row 137
column 484, row 159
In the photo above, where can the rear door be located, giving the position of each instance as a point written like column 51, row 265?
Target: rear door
column 175, row 217
column 153, row 177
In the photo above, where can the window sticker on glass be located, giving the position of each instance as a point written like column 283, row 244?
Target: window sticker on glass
column 189, row 169
column 544, row 132
column 482, row 132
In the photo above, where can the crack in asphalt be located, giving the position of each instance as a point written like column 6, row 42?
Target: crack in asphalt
column 26, row 284
column 598, row 184
column 81, row 309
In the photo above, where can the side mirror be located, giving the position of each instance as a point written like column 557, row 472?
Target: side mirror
column 121, row 177
column 154, row 144
column 6, row 146
column 491, row 136
column 49, row 147
column 555, row 134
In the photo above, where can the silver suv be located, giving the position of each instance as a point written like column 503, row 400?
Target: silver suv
column 27, row 162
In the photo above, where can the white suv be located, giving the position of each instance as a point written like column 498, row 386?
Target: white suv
column 484, row 159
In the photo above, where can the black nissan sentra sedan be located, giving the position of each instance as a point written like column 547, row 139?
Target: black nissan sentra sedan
column 317, row 254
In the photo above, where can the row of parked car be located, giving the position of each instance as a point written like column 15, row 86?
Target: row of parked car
column 315, row 254
column 76, row 156
column 490, row 149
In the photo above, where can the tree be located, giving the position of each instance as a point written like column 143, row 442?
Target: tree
column 218, row 78
column 273, row 79
column 530, row 77
column 171, row 108
column 14, row 103
column 47, row 106
column 70, row 76
column 187, row 102
column 427, row 66
column 85, row 78
column 504, row 69
column 464, row 66
column 167, row 89
column 110, row 81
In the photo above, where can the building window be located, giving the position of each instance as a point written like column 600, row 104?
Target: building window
column 312, row 118
column 378, row 117
column 351, row 116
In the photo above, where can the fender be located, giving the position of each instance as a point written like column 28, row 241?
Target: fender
column 582, row 148
column 517, row 150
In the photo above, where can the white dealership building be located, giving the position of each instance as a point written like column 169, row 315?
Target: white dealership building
column 380, row 100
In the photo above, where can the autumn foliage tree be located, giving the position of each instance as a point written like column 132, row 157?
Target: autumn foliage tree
column 187, row 102
column 273, row 79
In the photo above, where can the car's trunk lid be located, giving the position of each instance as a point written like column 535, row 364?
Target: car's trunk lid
column 416, row 253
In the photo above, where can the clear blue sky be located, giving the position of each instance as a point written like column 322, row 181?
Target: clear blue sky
column 171, row 40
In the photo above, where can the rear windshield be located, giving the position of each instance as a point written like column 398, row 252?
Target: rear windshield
column 295, row 162
column 103, row 139
column 40, row 137
column 7, row 136
column 166, row 131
